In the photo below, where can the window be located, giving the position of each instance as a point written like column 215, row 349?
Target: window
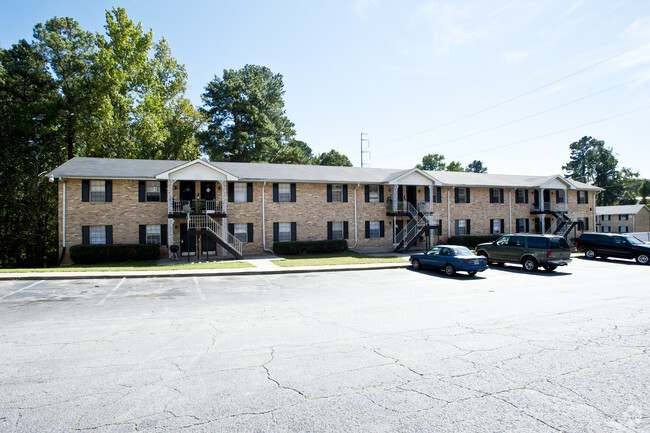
column 284, row 231
column 523, row 226
column 559, row 196
column 462, row 227
column 337, row 193
column 606, row 218
column 606, row 229
column 97, row 235
column 241, row 192
column 374, row 229
column 583, row 198
column 373, row 193
column 623, row 217
column 623, row 229
column 496, row 195
column 152, row 190
column 284, row 192
column 241, row 230
column 97, row 191
column 521, row 196
column 496, row 226
column 337, row 230
column 462, row 195
column 153, row 234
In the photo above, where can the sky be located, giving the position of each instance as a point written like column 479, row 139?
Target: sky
column 511, row 83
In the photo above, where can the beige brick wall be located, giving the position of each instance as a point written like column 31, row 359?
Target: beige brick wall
column 125, row 213
column 311, row 212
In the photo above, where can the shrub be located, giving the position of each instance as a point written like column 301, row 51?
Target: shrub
column 91, row 254
column 471, row 241
column 309, row 247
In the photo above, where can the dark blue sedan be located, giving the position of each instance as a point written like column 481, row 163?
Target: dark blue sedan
column 450, row 258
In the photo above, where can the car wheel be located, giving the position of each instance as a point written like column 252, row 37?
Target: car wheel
column 530, row 264
column 471, row 273
column 590, row 253
column 416, row 264
column 449, row 270
column 642, row 259
column 550, row 267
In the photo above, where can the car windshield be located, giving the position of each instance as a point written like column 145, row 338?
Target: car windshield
column 462, row 251
column 633, row 240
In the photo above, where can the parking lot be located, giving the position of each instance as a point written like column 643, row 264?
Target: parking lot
column 364, row 351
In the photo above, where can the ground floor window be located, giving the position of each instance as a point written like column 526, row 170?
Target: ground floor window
column 241, row 232
column 97, row 235
column 462, row 227
column 374, row 229
column 284, row 232
column 496, row 226
column 337, row 229
column 623, row 229
column 523, row 226
column 606, row 229
column 153, row 234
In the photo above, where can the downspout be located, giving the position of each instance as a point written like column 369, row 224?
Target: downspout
column 510, row 211
column 264, row 223
column 449, row 212
column 355, row 215
column 63, row 249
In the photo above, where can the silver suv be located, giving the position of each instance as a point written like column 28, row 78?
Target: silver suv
column 531, row 251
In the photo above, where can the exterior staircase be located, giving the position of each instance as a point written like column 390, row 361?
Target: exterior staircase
column 421, row 220
column 563, row 224
column 205, row 225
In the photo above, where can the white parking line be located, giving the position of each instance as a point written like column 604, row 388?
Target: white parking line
column 198, row 288
column 20, row 290
column 112, row 292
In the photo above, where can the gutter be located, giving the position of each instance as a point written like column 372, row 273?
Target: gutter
column 264, row 222
column 355, row 216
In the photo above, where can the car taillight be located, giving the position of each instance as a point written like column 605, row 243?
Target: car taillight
column 548, row 254
column 467, row 262
column 576, row 244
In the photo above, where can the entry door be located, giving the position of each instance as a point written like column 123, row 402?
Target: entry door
column 187, row 245
column 188, row 190
column 208, row 190
column 411, row 195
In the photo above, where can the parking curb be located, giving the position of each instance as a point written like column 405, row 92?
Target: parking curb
column 195, row 272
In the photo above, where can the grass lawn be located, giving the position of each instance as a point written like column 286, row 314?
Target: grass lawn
column 344, row 258
column 140, row 265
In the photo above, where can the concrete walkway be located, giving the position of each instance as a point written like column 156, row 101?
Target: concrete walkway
column 262, row 264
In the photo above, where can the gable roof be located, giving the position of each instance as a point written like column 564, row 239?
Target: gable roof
column 112, row 168
column 630, row 209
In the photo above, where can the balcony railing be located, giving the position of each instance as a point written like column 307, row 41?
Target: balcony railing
column 196, row 206
column 548, row 206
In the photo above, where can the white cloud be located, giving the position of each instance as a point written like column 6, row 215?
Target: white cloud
column 361, row 7
column 450, row 25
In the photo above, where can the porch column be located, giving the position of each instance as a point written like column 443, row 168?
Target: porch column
column 395, row 198
column 543, row 208
column 170, row 221
column 224, row 195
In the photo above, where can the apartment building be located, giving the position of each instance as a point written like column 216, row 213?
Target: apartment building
column 243, row 208
column 623, row 219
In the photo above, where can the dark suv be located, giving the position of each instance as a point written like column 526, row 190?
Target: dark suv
column 613, row 245
column 529, row 250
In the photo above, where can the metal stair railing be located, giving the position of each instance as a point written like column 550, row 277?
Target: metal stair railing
column 205, row 222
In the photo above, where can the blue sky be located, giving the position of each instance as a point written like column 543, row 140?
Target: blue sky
column 511, row 83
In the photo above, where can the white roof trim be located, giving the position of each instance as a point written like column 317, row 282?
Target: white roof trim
column 561, row 179
column 396, row 180
column 165, row 174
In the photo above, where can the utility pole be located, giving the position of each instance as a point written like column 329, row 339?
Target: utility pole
column 367, row 142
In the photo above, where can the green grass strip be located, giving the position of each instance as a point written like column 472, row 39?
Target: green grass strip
column 344, row 258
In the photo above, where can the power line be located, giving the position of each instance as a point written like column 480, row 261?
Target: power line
column 555, row 132
column 473, row 134
column 491, row 107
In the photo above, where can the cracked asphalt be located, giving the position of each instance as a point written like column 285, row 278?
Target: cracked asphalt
column 365, row 351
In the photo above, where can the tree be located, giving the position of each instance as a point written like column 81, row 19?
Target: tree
column 582, row 159
column 455, row 166
column 139, row 110
column 432, row 162
column 70, row 52
column 29, row 102
column 476, row 166
column 333, row 158
column 644, row 191
column 247, row 121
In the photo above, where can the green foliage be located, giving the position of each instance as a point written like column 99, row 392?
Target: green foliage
column 309, row 247
column 476, row 166
column 432, row 162
column 471, row 241
column 455, row 166
column 644, row 191
column 333, row 158
column 247, row 121
column 90, row 254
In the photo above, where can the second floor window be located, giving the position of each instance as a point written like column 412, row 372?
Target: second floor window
column 606, row 218
column 337, row 193
column 622, row 217
column 97, row 190
column 241, row 192
column 521, row 196
column 462, row 195
column 153, row 190
column 496, row 195
column 583, row 198
column 284, row 192
column 373, row 193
